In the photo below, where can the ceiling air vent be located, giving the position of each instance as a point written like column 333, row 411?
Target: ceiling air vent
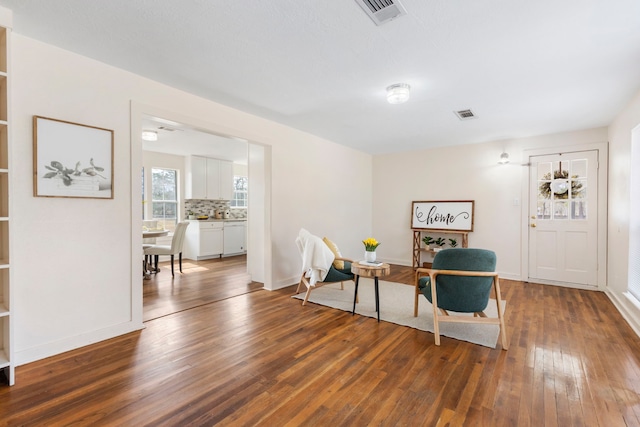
column 465, row 114
column 382, row 11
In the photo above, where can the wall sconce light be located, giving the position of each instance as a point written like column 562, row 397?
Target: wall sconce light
column 398, row 93
column 149, row 135
column 504, row 158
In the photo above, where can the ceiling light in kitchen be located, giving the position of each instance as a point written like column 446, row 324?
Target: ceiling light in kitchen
column 149, row 135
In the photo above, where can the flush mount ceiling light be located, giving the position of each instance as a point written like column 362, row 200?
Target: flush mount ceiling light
column 504, row 158
column 149, row 135
column 398, row 93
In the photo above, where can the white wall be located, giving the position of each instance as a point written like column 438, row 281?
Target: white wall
column 77, row 279
column 240, row 170
column 465, row 172
column 619, row 207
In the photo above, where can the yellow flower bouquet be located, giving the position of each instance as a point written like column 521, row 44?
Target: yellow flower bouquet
column 370, row 244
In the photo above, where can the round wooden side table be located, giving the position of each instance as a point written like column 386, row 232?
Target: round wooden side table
column 368, row 270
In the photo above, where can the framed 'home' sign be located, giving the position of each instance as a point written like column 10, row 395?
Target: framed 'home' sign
column 454, row 215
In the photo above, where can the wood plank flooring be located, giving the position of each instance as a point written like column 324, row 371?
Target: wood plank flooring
column 260, row 358
column 201, row 282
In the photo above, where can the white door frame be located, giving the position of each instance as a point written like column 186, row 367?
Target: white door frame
column 603, row 161
column 262, row 256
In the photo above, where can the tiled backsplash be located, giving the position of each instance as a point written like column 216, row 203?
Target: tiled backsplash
column 204, row 207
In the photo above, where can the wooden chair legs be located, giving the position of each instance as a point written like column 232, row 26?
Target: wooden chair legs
column 303, row 280
column 441, row 315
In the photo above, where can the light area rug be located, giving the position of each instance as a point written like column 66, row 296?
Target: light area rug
column 396, row 306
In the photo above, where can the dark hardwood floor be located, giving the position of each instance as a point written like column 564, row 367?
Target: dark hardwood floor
column 260, row 358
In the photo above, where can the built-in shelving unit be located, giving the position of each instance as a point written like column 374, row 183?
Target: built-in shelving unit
column 6, row 355
column 418, row 249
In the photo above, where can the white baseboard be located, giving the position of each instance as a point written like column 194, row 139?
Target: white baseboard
column 628, row 309
column 402, row 262
column 51, row 349
column 283, row 283
column 509, row 276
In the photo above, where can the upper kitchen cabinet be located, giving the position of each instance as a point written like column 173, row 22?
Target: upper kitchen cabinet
column 222, row 187
column 208, row 179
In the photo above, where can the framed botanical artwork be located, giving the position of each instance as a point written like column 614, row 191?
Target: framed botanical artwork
column 71, row 160
column 453, row 215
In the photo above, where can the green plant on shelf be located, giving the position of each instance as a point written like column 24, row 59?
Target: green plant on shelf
column 428, row 240
column 440, row 241
column 453, row 243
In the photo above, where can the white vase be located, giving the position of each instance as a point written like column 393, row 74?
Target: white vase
column 370, row 256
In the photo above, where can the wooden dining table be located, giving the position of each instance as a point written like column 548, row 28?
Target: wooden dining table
column 151, row 234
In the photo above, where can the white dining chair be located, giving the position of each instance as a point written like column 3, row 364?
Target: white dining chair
column 175, row 248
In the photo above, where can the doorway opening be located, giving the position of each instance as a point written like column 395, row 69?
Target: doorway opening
column 203, row 280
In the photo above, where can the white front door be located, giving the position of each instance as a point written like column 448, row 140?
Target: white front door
column 563, row 218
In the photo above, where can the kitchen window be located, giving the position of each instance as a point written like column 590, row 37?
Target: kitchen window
column 240, row 186
column 164, row 197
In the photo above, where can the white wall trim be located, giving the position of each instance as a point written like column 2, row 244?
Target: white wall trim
column 136, row 212
column 51, row 349
column 138, row 110
column 283, row 283
column 398, row 261
column 629, row 311
column 259, row 215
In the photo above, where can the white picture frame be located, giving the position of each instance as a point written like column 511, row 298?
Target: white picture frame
column 442, row 215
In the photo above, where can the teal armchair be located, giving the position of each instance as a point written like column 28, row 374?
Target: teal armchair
column 460, row 281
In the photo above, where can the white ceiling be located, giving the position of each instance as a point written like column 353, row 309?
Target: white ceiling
column 177, row 138
column 524, row 67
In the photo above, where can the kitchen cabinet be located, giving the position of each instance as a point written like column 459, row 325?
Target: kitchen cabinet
column 203, row 240
column 219, row 179
column 196, row 182
column 208, row 179
column 235, row 237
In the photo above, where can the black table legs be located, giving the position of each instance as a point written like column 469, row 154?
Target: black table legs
column 377, row 298
column 355, row 296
